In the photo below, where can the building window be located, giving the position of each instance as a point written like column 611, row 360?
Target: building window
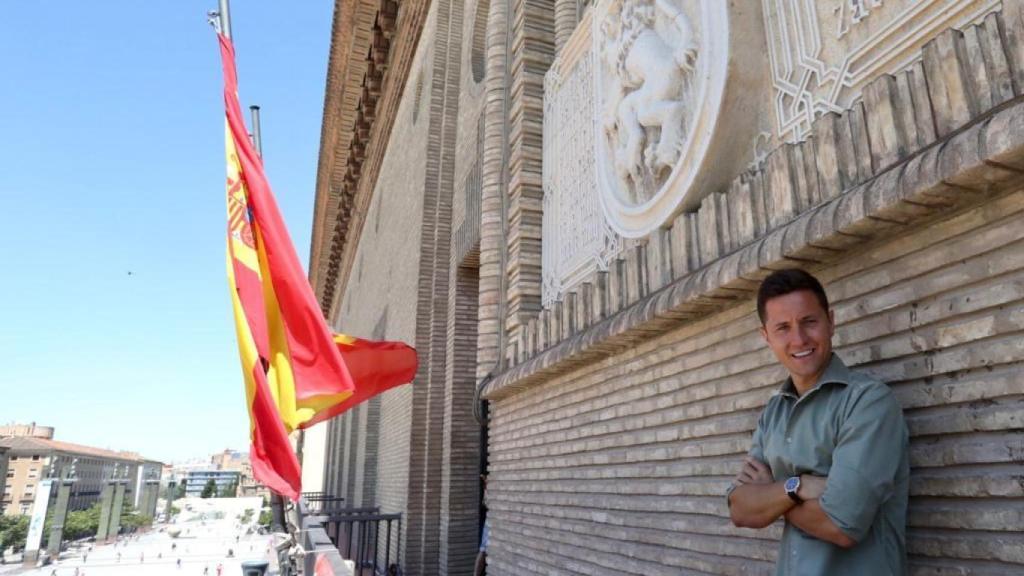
column 24, row 508
column 10, row 473
column 35, row 457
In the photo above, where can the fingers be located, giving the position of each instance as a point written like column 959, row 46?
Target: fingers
column 751, row 474
column 761, row 467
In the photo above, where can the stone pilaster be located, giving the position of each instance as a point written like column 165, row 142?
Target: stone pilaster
column 533, row 50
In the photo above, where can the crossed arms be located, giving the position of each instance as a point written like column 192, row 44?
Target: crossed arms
column 758, row 500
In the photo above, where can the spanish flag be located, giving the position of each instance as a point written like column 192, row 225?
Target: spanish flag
column 296, row 371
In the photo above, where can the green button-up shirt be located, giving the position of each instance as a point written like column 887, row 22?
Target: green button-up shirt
column 849, row 428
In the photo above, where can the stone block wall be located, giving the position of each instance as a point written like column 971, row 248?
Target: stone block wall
column 620, row 466
column 628, row 404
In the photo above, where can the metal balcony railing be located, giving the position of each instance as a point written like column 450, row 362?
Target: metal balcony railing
column 322, row 502
column 370, row 539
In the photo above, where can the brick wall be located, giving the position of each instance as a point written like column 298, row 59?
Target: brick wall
column 620, row 467
column 460, row 481
column 385, row 277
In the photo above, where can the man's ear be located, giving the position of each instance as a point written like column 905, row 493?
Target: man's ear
column 764, row 333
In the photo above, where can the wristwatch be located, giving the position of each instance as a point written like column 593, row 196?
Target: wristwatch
column 792, row 485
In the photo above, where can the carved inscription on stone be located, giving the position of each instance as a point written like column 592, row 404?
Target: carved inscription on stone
column 823, row 53
column 576, row 238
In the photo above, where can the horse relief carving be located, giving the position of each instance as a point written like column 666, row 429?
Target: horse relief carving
column 651, row 52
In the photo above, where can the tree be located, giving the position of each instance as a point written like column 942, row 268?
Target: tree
column 134, row 521
column 266, row 517
column 82, row 523
column 246, row 516
column 13, row 531
column 229, row 490
column 210, row 490
column 179, row 490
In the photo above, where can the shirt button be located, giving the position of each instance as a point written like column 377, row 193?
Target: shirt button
column 788, row 440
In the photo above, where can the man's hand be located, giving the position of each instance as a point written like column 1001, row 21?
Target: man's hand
column 754, row 472
column 757, row 499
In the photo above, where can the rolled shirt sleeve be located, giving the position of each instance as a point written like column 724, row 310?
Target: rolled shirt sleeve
column 756, row 451
column 866, row 460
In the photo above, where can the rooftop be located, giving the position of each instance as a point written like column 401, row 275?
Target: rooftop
column 30, row 444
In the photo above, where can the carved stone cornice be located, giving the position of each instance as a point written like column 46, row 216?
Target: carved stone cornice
column 372, row 47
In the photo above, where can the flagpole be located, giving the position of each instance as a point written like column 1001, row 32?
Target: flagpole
column 257, row 140
column 276, row 501
column 224, row 25
column 224, row 13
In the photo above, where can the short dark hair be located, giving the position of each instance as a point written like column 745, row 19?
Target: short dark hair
column 782, row 282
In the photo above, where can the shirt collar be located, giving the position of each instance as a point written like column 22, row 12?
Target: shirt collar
column 836, row 373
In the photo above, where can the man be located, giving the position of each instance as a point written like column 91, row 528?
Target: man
column 830, row 450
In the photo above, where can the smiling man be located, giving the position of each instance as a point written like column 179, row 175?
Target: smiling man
column 830, row 450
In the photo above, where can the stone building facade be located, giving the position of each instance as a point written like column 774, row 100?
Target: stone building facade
column 567, row 206
column 34, row 458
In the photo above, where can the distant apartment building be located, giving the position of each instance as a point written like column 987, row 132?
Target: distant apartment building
column 149, row 473
column 196, row 480
column 3, row 465
column 31, row 430
column 31, row 459
column 234, row 460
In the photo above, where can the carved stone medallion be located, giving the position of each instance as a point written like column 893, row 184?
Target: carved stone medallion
column 660, row 76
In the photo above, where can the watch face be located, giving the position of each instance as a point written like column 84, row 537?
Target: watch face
column 792, row 484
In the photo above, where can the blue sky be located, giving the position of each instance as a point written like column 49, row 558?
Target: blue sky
column 115, row 323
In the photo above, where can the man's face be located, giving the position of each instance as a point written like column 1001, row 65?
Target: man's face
column 799, row 332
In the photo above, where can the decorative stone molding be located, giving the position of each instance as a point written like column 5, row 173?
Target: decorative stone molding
column 670, row 105
column 823, row 54
column 577, row 238
column 373, row 43
column 946, row 134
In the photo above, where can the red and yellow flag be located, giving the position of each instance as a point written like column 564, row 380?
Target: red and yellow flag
column 375, row 366
column 296, row 372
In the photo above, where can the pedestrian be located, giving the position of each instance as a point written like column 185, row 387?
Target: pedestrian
column 830, row 452
column 220, row 568
column 179, row 563
column 206, row 570
column 119, row 557
column 142, row 557
column 85, row 557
